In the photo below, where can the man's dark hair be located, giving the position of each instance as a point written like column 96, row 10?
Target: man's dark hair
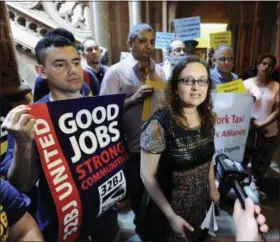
column 137, row 29
column 50, row 41
column 61, row 32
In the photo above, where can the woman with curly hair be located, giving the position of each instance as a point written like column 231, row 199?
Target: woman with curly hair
column 177, row 148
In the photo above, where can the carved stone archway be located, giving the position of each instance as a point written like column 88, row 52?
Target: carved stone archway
column 73, row 15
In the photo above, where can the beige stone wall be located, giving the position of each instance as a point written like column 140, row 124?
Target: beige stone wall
column 26, row 65
column 8, row 66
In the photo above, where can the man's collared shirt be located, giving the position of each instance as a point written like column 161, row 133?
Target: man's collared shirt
column 127, row 77
column 217, row 78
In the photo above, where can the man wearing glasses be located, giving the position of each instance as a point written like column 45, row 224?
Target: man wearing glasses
column 224, row 60
column 175, row 48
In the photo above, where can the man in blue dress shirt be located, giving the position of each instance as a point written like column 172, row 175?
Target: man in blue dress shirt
column 224, row 61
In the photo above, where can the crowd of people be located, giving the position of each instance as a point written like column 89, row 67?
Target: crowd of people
column 170, row 155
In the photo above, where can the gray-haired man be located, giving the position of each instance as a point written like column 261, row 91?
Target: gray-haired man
column 129, row 76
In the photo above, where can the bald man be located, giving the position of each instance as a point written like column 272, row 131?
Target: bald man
column 224, row 61
column 92, row 54
column 175, row 48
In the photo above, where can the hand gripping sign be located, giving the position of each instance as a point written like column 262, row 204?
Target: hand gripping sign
column 83, row 154
column 151, row 104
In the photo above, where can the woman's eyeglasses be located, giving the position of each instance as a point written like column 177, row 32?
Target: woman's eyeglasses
column 191, row 81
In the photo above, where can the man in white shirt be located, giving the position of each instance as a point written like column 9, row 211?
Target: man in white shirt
column 129, row 76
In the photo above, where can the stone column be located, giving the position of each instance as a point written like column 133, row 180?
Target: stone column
column 10, row 80
column 277, row 39
column 243, row 33
column 156, row 18
column 242, row 43
column 101, row 22
column 233, row 26
column 172, row 7
column 257, row 29
column 268, row 31
column 119, row 28
column 164, row 17
column 147, row 13
column 134, row 9
column 276, row 156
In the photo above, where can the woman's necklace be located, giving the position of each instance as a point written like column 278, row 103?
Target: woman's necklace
column 261, row 89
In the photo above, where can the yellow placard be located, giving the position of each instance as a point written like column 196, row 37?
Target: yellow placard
column 236, row 86
column 147, row 106
column 220, row 38
column 4, row 146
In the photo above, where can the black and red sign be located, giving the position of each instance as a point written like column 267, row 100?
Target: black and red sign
column 83, row 154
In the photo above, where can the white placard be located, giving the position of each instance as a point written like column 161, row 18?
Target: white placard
column 162, row 40
column 234, row 111
column 187, row 28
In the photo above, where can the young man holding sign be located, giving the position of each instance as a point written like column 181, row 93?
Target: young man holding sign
column 90, row 85
column 130, row 76
column 59, row 63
